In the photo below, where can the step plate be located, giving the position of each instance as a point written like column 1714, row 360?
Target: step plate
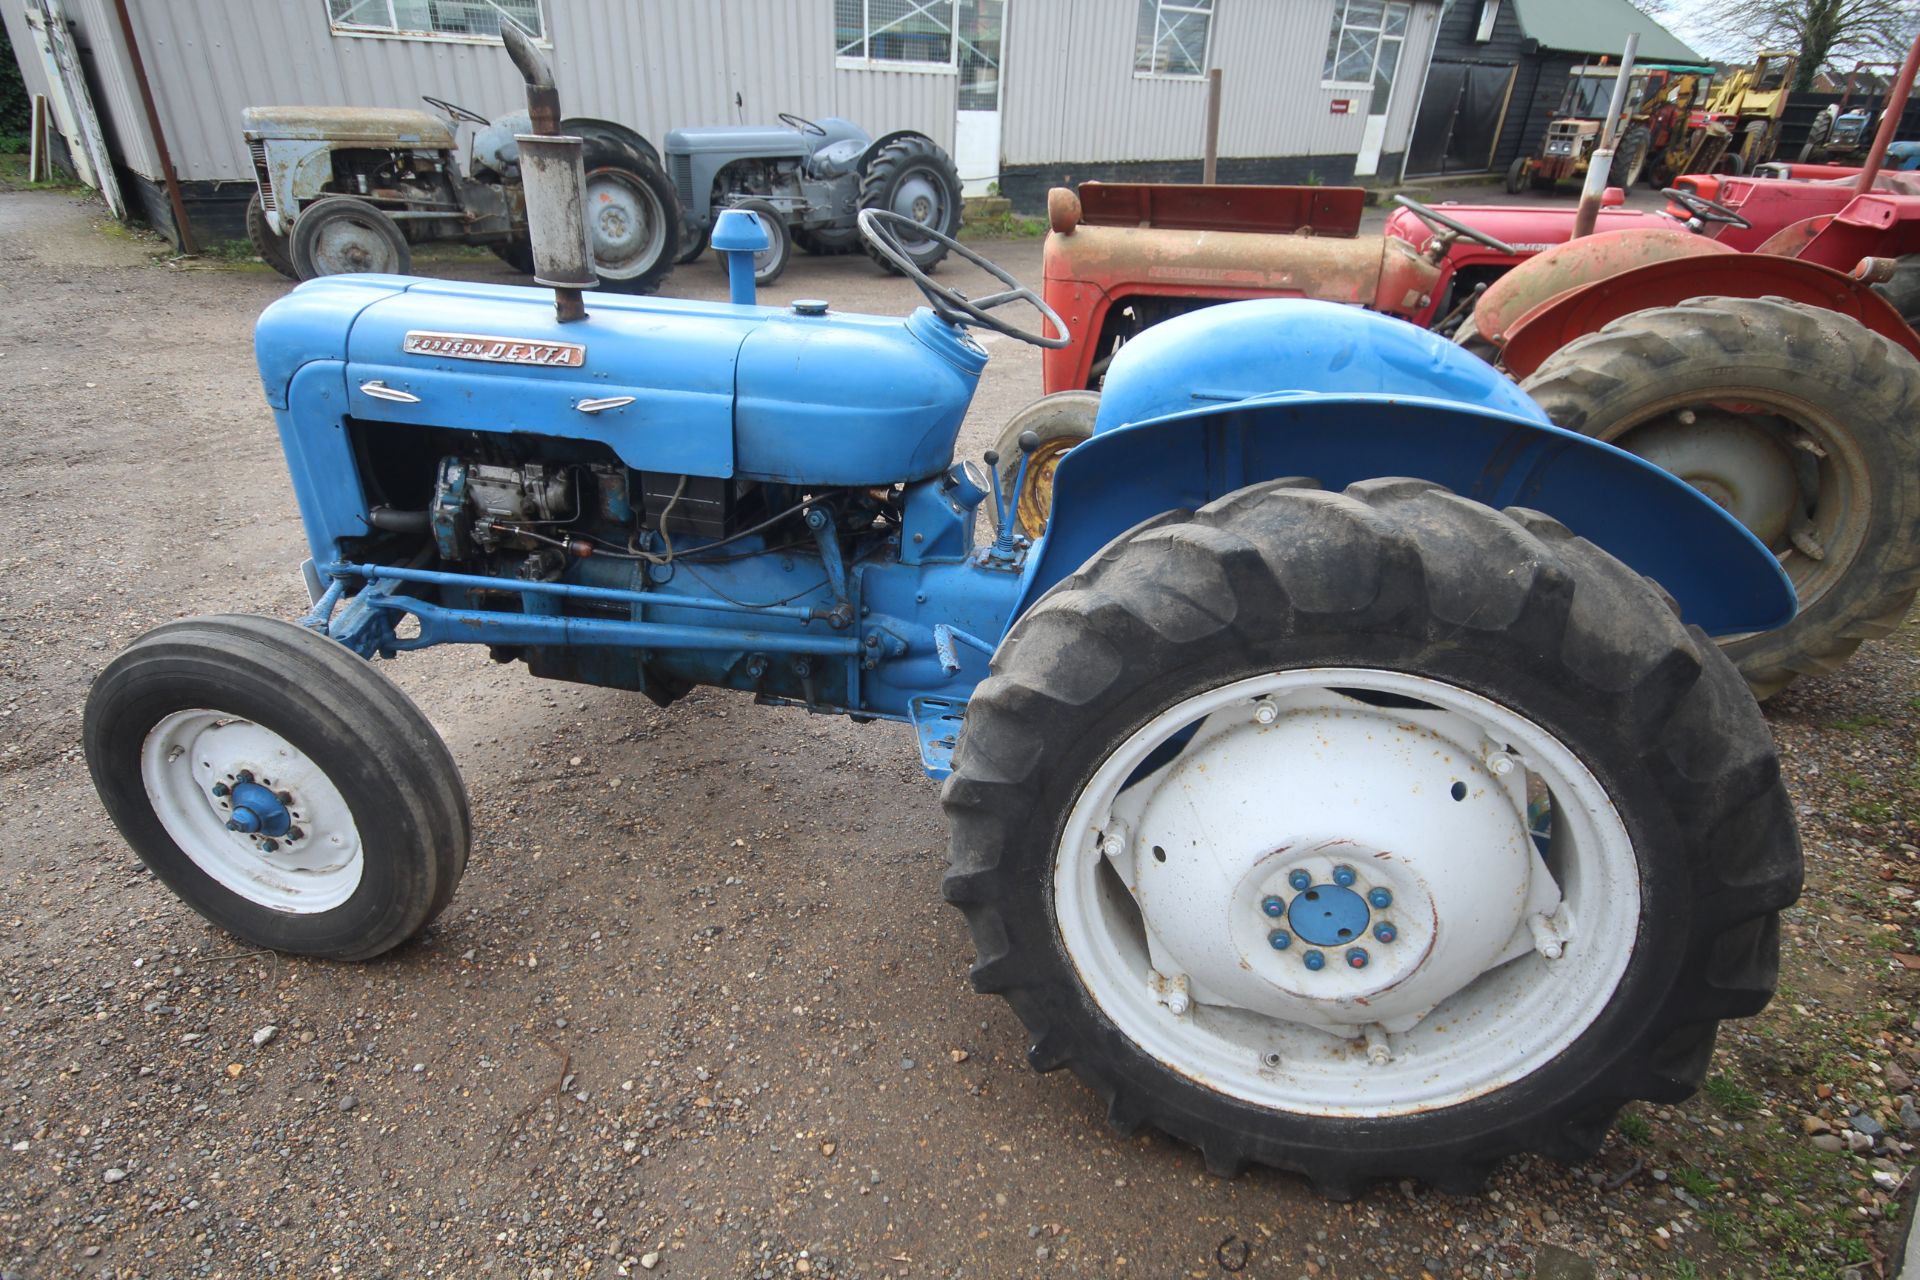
column 936, row 725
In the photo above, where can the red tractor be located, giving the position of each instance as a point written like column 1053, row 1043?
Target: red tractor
column 1735, row 337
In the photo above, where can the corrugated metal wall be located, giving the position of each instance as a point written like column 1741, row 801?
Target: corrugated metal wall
column 1071, row 94
column 651, row 64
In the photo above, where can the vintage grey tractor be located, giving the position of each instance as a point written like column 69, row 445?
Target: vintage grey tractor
column 348, row 189
column 1343, row 779
column 809, row 180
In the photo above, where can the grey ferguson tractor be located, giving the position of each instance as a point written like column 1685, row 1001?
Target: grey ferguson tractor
column 345, row 189
column 808, row 180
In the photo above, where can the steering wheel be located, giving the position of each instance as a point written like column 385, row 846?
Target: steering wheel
column 801, row 123
column 455, row 112
column 879, row 227
column 1704, row 209
column 1437, row 221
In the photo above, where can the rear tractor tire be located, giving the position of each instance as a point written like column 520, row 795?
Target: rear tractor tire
column 827, row 242
column 913, row 177
column 633, row 220
column 1797, row 420
column 1630, row 161
column 278, row 784
column 1270, row 800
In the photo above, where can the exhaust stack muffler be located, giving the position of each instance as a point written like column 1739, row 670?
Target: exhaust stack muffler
column 553, row 174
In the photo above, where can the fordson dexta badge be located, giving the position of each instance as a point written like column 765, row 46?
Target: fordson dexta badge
column 480, row 346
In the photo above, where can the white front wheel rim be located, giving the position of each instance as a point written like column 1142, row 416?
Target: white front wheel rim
column 307, row 858
column 1168, row 892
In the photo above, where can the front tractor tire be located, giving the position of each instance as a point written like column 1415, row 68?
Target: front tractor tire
column 913, row 177
column 269, row 245
column 1797, row 420
column 278, row 784
column 1368, row 835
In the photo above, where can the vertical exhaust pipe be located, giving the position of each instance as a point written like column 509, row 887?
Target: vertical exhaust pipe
column 553, row 175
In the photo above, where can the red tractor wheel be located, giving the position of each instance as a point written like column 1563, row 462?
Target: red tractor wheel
column 1795, row 419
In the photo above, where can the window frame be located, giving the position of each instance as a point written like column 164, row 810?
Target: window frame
column 863, row 62
column 1211, row 9
column 1380, row 37
column 369, row 31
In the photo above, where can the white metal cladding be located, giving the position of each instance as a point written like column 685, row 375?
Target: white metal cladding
column 651, row 64
column 1072, row 95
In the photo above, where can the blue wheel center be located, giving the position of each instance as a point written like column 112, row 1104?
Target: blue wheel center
column 258, row 811
column 1327, row 915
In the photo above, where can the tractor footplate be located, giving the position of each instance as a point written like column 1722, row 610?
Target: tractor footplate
column 936, row 725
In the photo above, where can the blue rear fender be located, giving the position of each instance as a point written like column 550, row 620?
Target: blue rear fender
column 1234, row 395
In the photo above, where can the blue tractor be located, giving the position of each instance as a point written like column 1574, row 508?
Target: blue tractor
column 1331, row 785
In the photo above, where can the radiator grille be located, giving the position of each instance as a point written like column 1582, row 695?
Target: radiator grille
column 260, row 174
column 682, row 171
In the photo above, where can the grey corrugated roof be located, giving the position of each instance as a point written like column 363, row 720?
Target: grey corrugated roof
column 1598, row 26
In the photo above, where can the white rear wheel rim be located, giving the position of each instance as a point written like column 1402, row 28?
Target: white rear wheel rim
column 190, row 763
column 1169, row 946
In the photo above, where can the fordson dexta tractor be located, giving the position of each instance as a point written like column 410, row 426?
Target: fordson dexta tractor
column 1345, row 780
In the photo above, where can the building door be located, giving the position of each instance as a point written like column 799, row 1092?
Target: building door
column 1461, row 116
column 73, row 114
column 976, row 131
column 1363, row 52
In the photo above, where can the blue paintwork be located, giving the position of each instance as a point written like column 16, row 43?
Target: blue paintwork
column 1274, row 907
column 1380, row 897
column 737, row 233
column 1183, row 420
column 899, row 621
column 1279, row 939
column 258, row 811
column 1328, row 915
column 1314, row 960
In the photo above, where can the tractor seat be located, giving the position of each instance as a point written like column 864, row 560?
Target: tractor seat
column 356, row 126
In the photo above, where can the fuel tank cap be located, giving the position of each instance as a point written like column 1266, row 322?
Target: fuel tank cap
column 809, row 306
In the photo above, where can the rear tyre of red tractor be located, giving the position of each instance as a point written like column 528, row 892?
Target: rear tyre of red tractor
column 1797, row 420
column 1228, row 810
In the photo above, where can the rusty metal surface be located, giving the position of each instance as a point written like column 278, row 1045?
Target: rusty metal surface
column 1096, row 269
column 1559, row 320
column 1577, row 263
column 394, row 127
column 1329, row 211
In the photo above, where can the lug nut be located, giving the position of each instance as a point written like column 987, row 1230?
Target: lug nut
column 219, row 788
column 1300, row 879
column 1380, row 898
column 1314, row 960
column 295, row 833
column 1343, row 876
column 1279, row 939
column 233, row 824
column 1385, row 933
column 270, row 845
column 246, row 775
column 1266, row 713
column 284, row 797
column 1356, row 958
column 1273, row 906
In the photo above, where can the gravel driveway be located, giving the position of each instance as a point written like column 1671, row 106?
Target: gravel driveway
column 697, row 1009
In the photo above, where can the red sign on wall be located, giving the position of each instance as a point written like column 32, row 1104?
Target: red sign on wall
column 1340, row 106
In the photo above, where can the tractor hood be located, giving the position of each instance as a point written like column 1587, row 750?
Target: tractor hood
column 359, row 126
column 669, row 385
column 747, row 141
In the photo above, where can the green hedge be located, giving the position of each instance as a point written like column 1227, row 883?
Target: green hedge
column 16, row 112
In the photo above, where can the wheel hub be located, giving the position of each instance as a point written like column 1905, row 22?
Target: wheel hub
column 252, row 810
column 1403, row 867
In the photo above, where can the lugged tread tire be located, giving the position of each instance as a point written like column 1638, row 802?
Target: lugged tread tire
column 889, row 166
column 396, row 773
column 1604, row 383
column 827, row 242
column 1392, row 574
column 274, row 250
